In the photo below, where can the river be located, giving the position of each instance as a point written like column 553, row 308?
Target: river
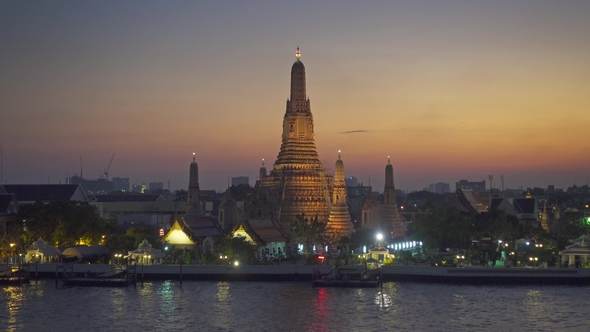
column 293, row 306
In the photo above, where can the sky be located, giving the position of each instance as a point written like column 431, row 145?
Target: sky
column 450, row 90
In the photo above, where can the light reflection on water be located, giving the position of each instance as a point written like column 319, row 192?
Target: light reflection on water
column 251, row 306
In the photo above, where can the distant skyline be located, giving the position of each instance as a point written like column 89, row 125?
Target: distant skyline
column 450, row 90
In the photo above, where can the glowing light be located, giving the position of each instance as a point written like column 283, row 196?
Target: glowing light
column 236, row 263
column 298, row 53
column 379, row 236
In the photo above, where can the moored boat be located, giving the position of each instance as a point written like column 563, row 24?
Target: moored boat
column 349, row 276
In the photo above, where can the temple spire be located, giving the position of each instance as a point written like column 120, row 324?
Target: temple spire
column 297, row 53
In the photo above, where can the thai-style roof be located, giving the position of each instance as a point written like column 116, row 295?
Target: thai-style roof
column 524, row 205
column 128, row 198
column 471, row 201
column 46, row 192
column 85, row 251
column 582, row 240
column 41, row 247
column 8, row 204
column 204, row 227
column 145, row 248
column 262, row 230
column 576, row 249
column 180, row 225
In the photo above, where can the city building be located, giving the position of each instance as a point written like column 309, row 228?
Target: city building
column 121, row 184
column 238, row 180
column 351, row 181
column 439, row 188
column 477, row 186
column 155, row 186
column 100, row 186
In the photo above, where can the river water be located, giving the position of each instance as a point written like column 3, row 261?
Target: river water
column 293, row 306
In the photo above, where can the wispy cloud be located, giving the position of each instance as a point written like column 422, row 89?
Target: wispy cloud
column 355, row 131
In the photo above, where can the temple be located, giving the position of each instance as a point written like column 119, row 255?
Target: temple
column 390, row 219
column 339, row 223
column 298, row 182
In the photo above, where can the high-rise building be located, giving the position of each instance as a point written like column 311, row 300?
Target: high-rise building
column 476, row 186
column 351, row 181
column 238, row 180
column 121, row 184
column 439, row 188
column 298, row 182
column 154, row 186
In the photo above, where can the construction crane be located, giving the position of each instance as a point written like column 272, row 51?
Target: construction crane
column 106, row 171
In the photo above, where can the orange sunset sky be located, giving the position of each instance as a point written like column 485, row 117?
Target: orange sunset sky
column 449, row 89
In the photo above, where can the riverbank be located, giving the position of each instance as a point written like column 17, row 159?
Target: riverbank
column 288, row 272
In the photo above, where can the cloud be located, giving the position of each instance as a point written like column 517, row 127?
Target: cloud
column 355, row 131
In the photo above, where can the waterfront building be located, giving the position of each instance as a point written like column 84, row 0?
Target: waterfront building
column 576, row 254
column 145, row 254
column 264, row 233
column 41, row 252
column 181, row 236
column 196, row 228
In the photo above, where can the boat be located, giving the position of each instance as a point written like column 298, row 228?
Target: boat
column 112, row 276
column 349, row 276
column 13, row 276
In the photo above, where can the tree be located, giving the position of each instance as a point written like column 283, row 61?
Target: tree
column 443, row 226
column 242, row 192
column 363, row 237
column 308, row 232
column 236, row 248
column 62, row 223
column 138, row 234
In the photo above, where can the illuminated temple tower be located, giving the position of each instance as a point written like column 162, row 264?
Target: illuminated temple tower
column 390, row 218
column 298, row 182
column 339, row 223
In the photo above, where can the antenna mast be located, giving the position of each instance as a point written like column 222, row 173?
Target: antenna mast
column 81, row 175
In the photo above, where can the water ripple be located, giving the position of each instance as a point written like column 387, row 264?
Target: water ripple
column 250, row 306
